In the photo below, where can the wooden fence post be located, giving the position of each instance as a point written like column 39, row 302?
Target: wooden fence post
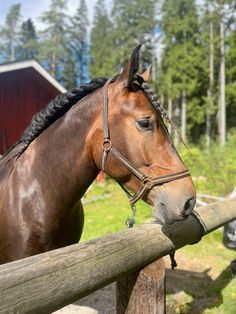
column 143, row 291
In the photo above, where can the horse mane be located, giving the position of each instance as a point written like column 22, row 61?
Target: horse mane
column 53, row 111
column 62, row 103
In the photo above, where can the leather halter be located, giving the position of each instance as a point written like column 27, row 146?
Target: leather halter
column 147, row 182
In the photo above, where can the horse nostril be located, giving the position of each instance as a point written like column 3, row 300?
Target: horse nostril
column 188, row 206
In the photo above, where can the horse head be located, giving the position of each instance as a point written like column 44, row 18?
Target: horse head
column 134, row 146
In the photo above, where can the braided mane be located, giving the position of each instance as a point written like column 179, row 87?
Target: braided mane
column 54, row 110
column 63, row 102
column 158, row 106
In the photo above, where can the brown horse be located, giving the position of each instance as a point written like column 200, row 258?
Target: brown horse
column 114, row 125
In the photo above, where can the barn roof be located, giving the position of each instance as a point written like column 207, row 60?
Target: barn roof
column 18, row 65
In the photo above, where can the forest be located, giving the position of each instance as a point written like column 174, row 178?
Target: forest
column 191, row 45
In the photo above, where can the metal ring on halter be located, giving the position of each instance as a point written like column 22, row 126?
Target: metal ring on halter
column 148, row 182
column 107, row 144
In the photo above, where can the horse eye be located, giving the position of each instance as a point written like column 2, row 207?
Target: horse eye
column 145, row 124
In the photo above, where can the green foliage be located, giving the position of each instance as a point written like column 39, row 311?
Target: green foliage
column 69, row 70
column 101, row 46
column 28, row 46
column 181, row 58
column 53, row 40
column 111, row 43
column 134, row 22
column 78, row 40
column 185, row 62
column 214, row 168
column 178, row 35
column 231, row 78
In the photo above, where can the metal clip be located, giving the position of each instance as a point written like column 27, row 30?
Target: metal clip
column 130, row 222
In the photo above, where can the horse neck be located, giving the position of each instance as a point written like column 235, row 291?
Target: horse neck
column 62, row 153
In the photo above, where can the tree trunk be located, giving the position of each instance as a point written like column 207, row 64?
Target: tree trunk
column 183, row 116
column 53, row 64
column 154, row 59
column 222, row 108
column 177, row 117
column 12, row 46
column 81, row 65
column 211, row 86
column 170, row 111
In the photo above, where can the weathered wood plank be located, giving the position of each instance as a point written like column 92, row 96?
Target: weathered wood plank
column 142, row 291
column 49, row 281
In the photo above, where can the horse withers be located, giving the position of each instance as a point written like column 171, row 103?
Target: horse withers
column 115, row 125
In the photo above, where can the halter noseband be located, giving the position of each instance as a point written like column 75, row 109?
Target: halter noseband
column 147, row 182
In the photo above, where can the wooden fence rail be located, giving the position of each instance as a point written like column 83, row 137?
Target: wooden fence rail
column 49, row 281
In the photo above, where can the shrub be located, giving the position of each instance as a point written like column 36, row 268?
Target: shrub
column 213, row 169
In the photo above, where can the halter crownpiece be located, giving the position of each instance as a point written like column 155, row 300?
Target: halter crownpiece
column 147, row 182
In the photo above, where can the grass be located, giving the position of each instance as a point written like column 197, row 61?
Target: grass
column 202, row 283
column 107, row 209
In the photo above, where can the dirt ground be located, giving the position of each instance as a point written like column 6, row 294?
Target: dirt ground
column 99, row 302
column 190, row 279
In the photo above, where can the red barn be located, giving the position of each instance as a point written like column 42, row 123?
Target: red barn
column 25, row 88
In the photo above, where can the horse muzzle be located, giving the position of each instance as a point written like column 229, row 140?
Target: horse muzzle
column 168, row 210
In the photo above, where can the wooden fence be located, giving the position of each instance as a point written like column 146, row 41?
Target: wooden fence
column 49, row 281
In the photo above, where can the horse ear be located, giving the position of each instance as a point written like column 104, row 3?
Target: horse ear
column 131, row 68
column 147, row 73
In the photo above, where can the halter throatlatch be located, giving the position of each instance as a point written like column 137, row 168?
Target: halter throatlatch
column 147, row 182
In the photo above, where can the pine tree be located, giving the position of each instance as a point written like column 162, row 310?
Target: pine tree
column 134, row 23
column 101, row 47
column 210, row 90
column 180, row 60
column 69, row 73
column 53, row 40
column 209, row 62
column 28, row 41
column 79, row 40
column 9, row 34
